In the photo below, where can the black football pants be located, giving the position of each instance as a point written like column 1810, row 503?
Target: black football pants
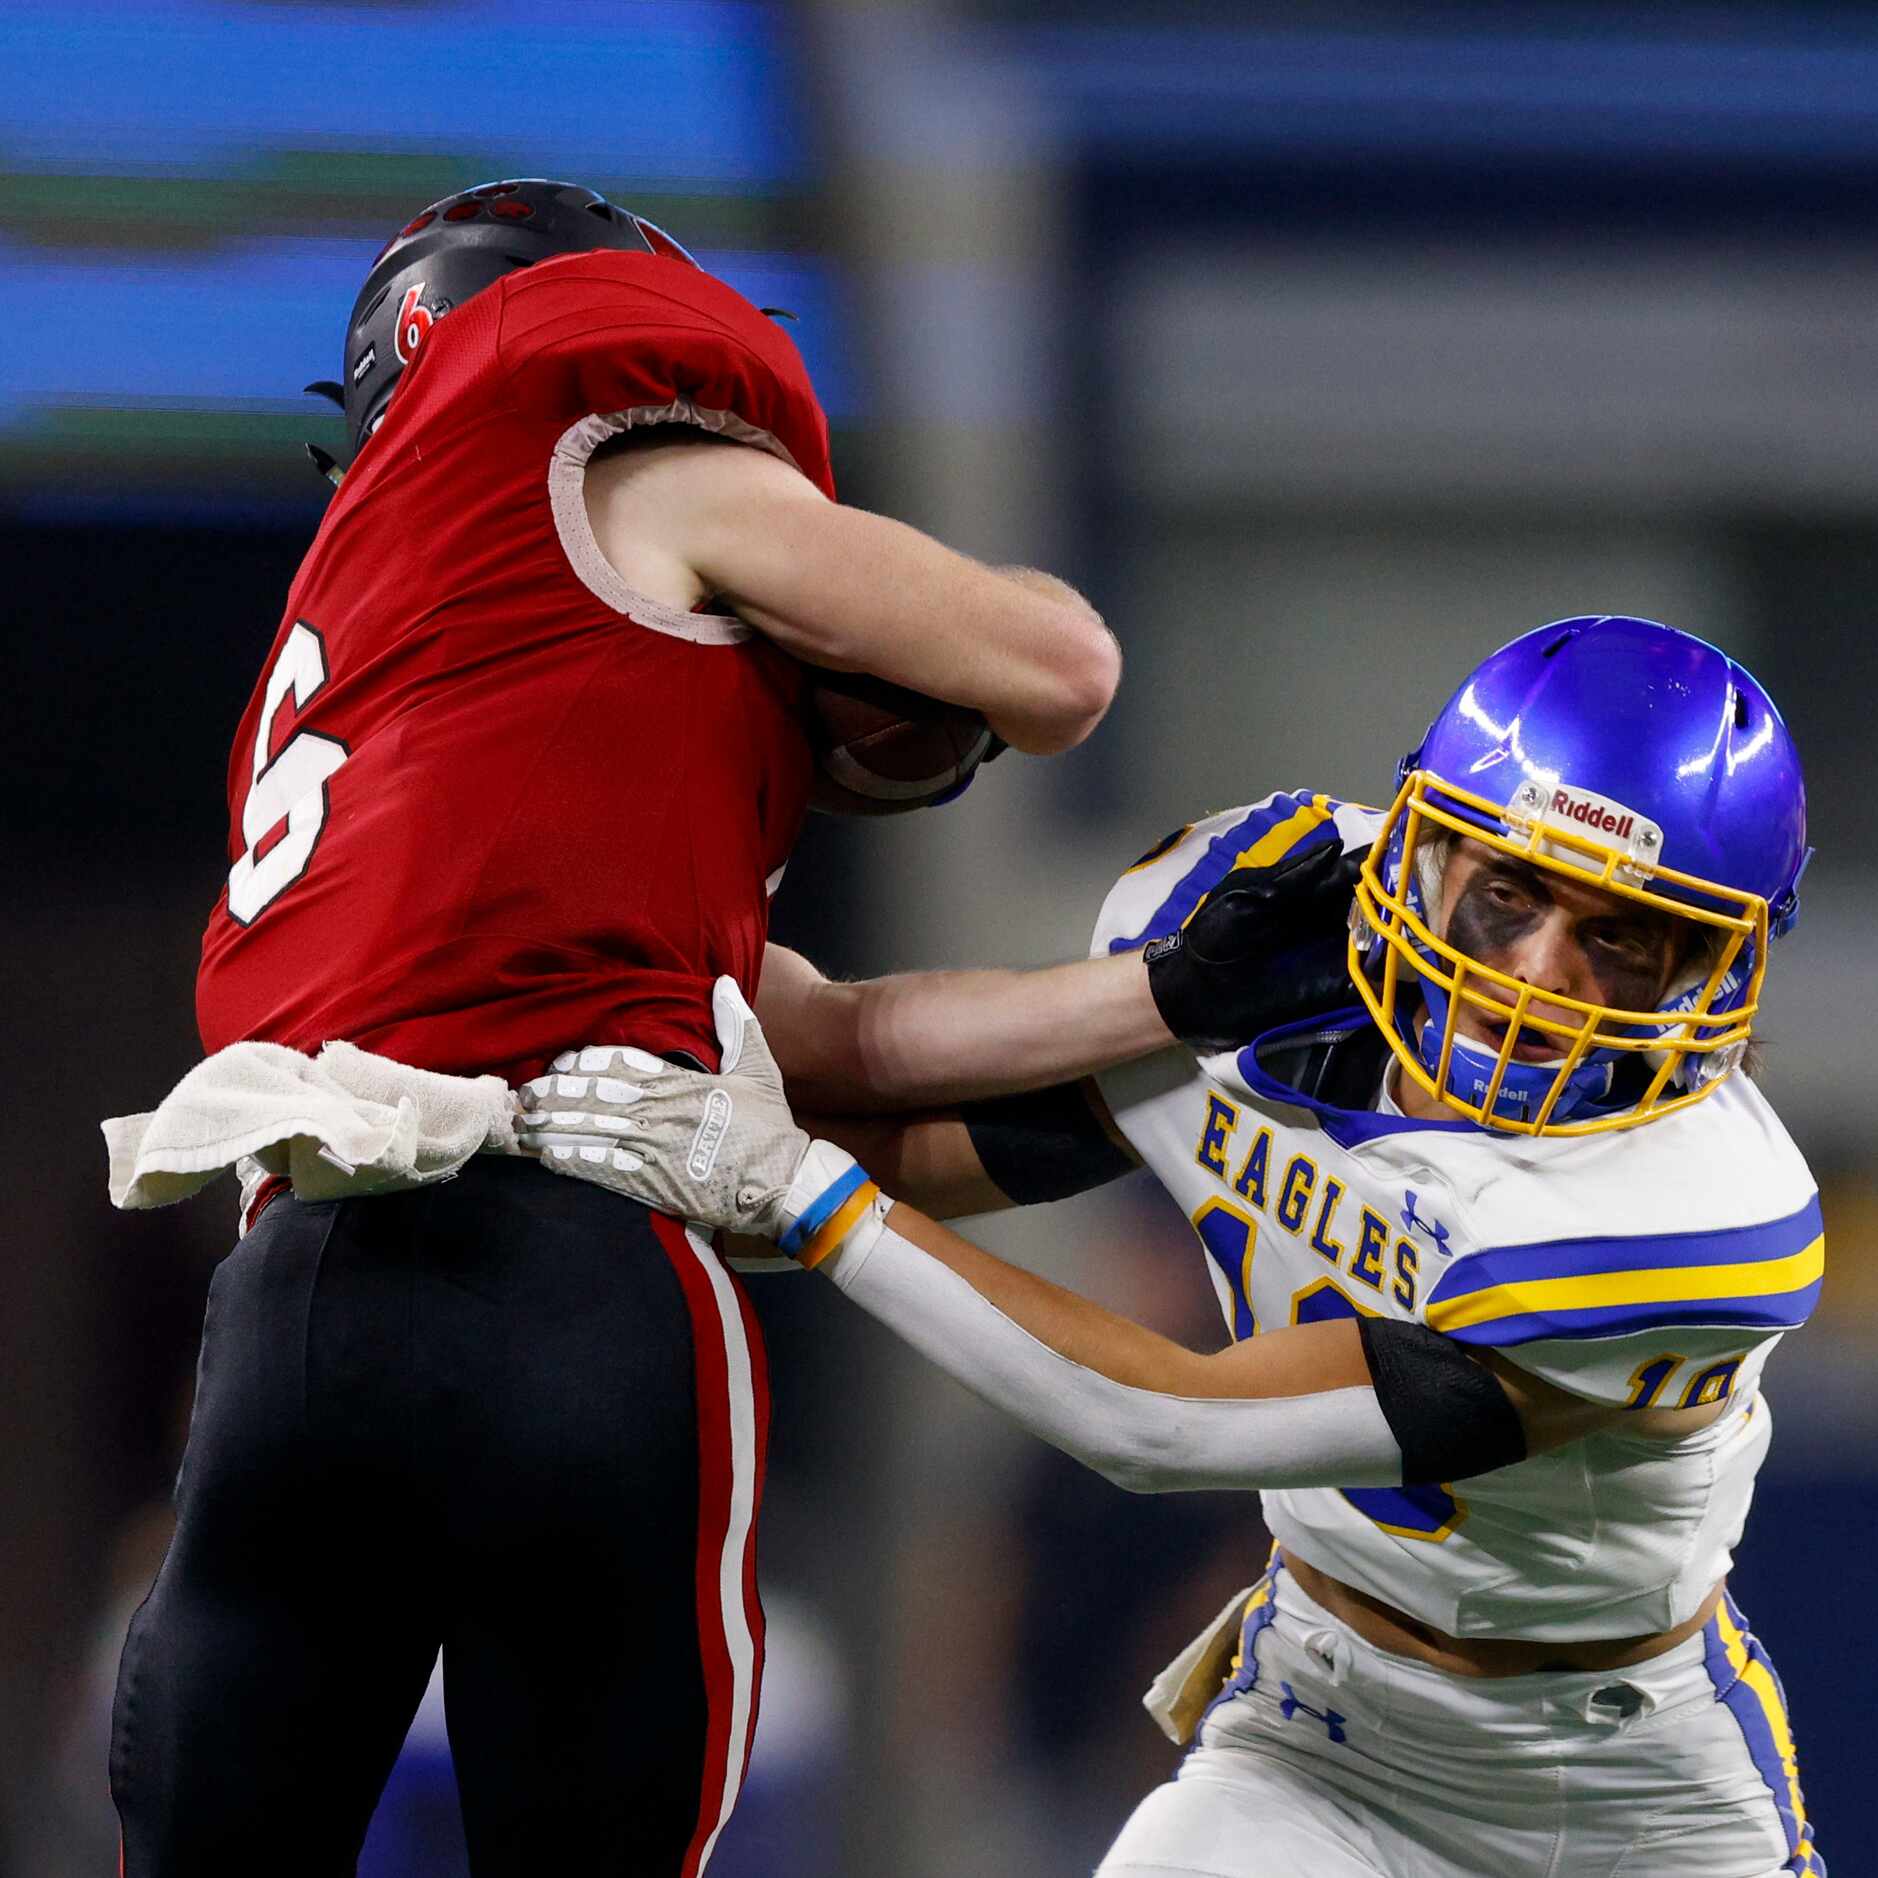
column 512, row 1417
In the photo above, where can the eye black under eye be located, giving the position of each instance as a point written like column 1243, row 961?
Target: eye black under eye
column 1631, row 951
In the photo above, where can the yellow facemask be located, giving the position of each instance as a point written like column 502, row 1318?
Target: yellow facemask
column 1407, row 974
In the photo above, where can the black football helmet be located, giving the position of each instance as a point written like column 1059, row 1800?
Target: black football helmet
column 456, row 248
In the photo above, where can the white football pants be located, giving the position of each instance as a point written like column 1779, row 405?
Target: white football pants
column 1329, row 1758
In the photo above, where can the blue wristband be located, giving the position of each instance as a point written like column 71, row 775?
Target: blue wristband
column 819, row 1210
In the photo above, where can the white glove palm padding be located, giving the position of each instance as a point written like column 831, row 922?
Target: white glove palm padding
column 721, row 1149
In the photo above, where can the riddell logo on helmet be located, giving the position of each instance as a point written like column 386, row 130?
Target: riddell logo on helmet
column 415, row 320
column 1605, row 818
column 1585, row 812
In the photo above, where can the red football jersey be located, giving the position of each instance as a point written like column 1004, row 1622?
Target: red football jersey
column 486, row 801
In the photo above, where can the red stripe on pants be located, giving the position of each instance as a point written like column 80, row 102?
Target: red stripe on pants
column 733, row 1439
column 752, row 1599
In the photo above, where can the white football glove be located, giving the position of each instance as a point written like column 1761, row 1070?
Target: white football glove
column 722, row 1150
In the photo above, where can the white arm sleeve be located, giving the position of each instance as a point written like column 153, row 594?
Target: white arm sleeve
column 1140, row 1440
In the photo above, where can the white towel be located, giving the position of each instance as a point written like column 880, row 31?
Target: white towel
column 339, row 1124
column 1180, row 1695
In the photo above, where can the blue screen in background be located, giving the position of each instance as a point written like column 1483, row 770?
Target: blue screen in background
column 250, row 323
column 190, row 196
column 672, row 92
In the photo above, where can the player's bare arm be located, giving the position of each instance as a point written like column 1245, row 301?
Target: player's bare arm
column 1266, row 946
column 986, row 1156
column 929, row 1039
column 692, row 518
column 902, row 1071
column 931, row 1157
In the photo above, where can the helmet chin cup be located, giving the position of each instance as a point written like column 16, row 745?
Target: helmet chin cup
column 1523, row 1087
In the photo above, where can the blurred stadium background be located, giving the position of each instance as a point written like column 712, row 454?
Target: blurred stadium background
column 1325, row 347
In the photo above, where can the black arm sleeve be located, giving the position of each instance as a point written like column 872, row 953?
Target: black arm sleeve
column 1046, row 1144
column 1450, row 1417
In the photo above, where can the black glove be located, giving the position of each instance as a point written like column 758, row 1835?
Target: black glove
column 1268, row 946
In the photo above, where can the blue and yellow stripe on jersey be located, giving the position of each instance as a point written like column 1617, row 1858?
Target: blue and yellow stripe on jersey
column 1264, row 835
column 1762, row 1277
column 1744, row 1679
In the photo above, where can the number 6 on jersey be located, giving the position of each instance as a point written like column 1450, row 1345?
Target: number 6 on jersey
column 290, row 788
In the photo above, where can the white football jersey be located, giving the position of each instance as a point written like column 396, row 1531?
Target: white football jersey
column 1647, row 1267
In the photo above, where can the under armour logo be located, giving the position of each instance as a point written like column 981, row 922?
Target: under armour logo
column 1413, row 1222
column 1291, row 1706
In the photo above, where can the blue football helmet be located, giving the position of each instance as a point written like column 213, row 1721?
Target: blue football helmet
column 1621, row 755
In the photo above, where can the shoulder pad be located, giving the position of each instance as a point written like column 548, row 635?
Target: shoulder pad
column 1158, row 894
column 609, row 333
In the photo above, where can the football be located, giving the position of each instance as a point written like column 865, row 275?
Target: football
column 881, row 749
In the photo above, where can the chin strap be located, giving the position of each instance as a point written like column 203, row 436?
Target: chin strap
column 327, row 464
column 323, row 460
column 1524, row 1087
